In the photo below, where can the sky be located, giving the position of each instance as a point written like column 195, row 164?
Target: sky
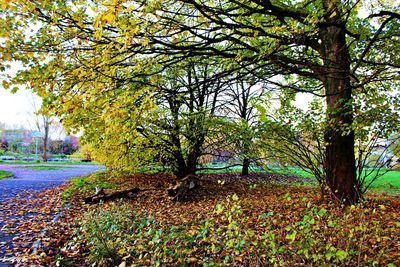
column 17, row 109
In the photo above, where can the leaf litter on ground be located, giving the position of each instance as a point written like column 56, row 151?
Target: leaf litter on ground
column 294, row 216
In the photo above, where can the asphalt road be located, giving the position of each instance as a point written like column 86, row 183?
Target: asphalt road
column 26, row 179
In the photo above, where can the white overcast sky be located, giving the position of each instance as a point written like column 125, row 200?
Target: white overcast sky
column 18, row 108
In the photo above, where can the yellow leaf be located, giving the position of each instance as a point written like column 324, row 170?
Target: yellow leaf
column 192, row 260
column 98, row 34
column 121, row 251
column 238, row 258
column 145, row 42
column 109, row 18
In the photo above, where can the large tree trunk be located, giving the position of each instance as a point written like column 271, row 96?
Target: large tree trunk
column 340, row 166
column 188, row 166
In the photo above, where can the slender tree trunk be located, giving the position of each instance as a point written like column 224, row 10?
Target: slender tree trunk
column 45, row 140
column 340, row 166
column 245, row 167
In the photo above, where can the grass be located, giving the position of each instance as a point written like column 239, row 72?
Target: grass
column 5, row 174
column 19, row 162
column 46, row 168
column 389, row 182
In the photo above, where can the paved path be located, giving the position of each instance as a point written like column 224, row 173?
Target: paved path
column 26, row 179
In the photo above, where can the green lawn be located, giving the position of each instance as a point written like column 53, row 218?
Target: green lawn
column 388, row 182
column 5, row 174
column 390, row 179
column 46, row 168
column 18, row 162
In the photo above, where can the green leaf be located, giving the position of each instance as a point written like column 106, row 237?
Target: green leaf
column 219, row 208
column 341, row 254
column 322, row 212
column 266, row 215
column 291, row 236
column 235, row 197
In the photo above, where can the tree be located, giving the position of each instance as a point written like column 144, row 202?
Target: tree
column 324, row 47
column 86, row 152
column 163, row 122
column 295, row 136
column 42, row 123
column 187, row 105
column 4, row 142
column 70, row 145
column 241, row 97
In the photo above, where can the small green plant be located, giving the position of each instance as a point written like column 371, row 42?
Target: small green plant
column 227, row 236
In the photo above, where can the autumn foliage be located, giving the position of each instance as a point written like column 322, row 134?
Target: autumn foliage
column 263, row 220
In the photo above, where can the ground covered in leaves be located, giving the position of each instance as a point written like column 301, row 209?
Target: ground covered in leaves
column 261, row 220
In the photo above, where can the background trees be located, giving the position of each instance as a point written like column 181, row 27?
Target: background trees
column 240, row 108
column 84, row 54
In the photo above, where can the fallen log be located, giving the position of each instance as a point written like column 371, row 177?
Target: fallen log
column 100, row 196
column 180, row 190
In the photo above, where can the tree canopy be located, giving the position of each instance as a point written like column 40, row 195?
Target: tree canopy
column 100, row 64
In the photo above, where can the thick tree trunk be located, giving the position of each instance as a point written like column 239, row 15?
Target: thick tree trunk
column 185, row 170
column 188, row 165
column 340, row 165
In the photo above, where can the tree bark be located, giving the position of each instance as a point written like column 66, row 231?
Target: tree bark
column 245, row 167
column 45, row 141
column 340, row 165
column 100, row 196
